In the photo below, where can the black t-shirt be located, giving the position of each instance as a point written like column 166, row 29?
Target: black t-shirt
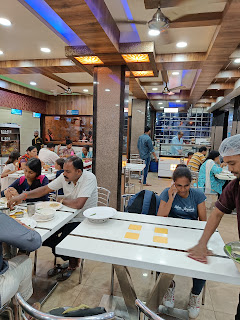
column 37, row 142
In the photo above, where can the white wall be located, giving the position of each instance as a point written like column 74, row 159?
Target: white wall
column 26, row 121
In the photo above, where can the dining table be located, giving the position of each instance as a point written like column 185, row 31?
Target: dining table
column 18, row 174
column 151, row 243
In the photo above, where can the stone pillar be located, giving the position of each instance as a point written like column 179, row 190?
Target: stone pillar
column 138, row 122
column 110, row 93
column 218, row 123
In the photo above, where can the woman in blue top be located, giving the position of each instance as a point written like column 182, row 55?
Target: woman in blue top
column 85, row 154
column 32, row 179
column 207, row 172
column 182, row 201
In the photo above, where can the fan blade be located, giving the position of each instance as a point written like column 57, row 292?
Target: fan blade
column 165, row 76
column 61, row 87
column 77, row 92
column 177, row 88
column 131, row 21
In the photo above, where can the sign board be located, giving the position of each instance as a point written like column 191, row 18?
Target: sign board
column 73, row 112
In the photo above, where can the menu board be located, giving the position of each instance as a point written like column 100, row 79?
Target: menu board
column 9, row 140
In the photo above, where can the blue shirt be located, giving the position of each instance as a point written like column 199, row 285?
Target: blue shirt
column 185, row 208
column 21, row 185
column 174, row 149
column 216, row 184
column 145, row 146
column 81, row 155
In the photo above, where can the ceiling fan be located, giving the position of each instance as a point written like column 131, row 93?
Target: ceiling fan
column 68, row 91
column 166, row 90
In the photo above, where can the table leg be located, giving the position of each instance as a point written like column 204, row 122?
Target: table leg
column 128, row 292
column 162, row 284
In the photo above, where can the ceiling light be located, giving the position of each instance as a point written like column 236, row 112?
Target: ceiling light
column 175, row 73
column 178, row 100
column 5, row 22
column 143, row 73
column 160, row 103
column 154, row 89
column 141, row 57
column 159, row 21
column 107, row 90
column 145, row 274
column 171, row 110
column 85, row 90
column 181, row 44
column 32, row 83
column 153, row 32
column 89, row 60
column 1, row 52
column 237, row 60
column 46, row 50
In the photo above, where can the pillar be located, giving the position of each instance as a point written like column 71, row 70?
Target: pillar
column 110, row 93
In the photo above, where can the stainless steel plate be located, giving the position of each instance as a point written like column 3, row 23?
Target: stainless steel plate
column 232, row 250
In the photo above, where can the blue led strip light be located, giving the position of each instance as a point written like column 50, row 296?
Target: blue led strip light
column 130, row 17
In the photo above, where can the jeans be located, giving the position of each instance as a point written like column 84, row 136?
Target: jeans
column 237, row 316
column 147, row 163
column 198, row 284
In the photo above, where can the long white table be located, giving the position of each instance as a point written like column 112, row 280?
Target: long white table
column 50, row 175
column 117, row 242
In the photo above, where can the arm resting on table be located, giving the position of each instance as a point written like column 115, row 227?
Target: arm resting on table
column 75, row 203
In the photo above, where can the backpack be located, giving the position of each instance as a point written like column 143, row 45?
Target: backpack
column 144, row 202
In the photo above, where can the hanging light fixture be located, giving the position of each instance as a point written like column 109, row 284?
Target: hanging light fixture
column 159, row 21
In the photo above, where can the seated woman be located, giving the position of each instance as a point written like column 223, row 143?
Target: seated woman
column 208, row 169
column 16, row 274
column 32, row 179
column 85, row 154
column 182, row 201
column 11, row 166
column 31, row 152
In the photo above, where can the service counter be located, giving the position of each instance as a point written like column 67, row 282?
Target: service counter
column 166, row 165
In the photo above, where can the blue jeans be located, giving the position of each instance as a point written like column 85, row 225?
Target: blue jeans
column 198, row 284
column 147, row 163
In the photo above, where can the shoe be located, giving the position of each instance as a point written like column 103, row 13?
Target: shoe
column 193, row 306
column 65, row 274
column 59, row 268
column 168, row 299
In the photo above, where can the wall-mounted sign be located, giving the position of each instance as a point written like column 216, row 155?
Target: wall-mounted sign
column 36, row 115
column 73, row 112
column 6, row 131
column 16, row 111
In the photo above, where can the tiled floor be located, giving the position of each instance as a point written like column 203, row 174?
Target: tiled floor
column 221, row 299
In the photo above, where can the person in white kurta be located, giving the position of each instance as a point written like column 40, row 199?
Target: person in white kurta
column 10, row 167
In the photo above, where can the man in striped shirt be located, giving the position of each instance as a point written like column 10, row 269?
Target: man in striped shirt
column 197, row 159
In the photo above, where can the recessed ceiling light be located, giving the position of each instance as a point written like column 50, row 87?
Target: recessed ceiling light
column 107, row 90
column 153, row 32
column 32, row 83
column 237, row 60
column 5, row 22
column 45, row 50
column 160, row 103
column 85, row 90
column 178, row 100
column 1, row 52
column 175, row 73
column 181, row 44
column 145, row 274
column 154, row 89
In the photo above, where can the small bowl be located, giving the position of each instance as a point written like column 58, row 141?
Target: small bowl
column 44, row 214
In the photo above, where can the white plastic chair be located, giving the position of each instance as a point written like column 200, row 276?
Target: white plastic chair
column 103, row 196
column 147, row 313
column 39, row 315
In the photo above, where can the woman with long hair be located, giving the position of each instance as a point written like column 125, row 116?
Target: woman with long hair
column 31, row 180
column 31, row 152
column 11, row 166
column 210, row 167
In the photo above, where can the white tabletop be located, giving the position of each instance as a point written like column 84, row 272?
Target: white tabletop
column 50, row 175
column 107, row 242
column 135, row 166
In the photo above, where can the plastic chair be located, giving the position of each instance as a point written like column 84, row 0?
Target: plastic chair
column 7, row 309
column 194, row 182
column 127, row 184
column 137, row 161
column 39, row 315
column 147, row 313
column 103, row 196
column 125, row 198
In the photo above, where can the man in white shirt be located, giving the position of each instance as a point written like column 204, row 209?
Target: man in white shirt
column 47, row 155
column 80, row 192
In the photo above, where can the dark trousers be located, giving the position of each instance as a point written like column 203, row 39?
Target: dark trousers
column 237, row 316
column 58, row 236
column 198, row 284
column 145, row 173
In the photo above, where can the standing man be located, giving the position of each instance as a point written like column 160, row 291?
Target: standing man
column 197, row 159
column 47, row 155
column 177, row 150
column 227, row 202
column 37, row 141
column 145, row 148
column 80, row 192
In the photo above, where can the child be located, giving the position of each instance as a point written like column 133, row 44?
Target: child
column 59, row 166
column 190, row 154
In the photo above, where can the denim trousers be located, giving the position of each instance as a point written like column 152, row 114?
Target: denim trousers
column 147, row 163
column 198, row 284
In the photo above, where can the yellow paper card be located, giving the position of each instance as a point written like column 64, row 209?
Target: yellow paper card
column 131, row 235
column 161, row 230
column 135, row 227
column 160, row 239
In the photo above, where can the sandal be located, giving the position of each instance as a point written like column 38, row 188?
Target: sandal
column 65, row 275
column 57, row 269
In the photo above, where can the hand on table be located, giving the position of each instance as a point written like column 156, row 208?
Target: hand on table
column 172, row 192
column 199, row 253
column 10, row 193
column 15, row 200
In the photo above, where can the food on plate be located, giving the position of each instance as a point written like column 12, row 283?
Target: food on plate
column 54, row 205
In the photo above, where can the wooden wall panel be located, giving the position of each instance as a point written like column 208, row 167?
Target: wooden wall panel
column 60, row 104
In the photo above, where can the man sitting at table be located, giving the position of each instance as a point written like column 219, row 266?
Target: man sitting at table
column 16, row 274
column 80, row 192
column 47, row 155
column 197, row 159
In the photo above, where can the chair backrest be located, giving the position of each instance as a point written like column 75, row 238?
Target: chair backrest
column 194, row 178
column 142, row 309
column 125, row 198
column 134, row 156
column 39, row 315
column 137, row 161
column 103, row 197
